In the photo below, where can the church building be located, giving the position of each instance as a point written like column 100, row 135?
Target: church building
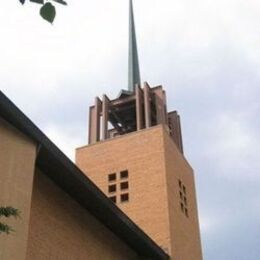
column 135, row 156
column 130, row 194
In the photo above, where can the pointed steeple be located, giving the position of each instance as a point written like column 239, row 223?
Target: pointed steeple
column 133, row 63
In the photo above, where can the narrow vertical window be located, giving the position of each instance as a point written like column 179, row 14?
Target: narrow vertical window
column 183, row 198
column 186, row 212
column 182, row 207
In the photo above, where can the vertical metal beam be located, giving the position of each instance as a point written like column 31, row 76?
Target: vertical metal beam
column 180, row 135
column 98, row 105
column 94, row 122
column 175, row 129
column 139, row 107
column 105, row 107
column 160, row 106
column 165, row 105
column 147, row 105
column 91, row 138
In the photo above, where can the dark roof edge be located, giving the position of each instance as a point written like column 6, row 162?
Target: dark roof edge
column 73, row 181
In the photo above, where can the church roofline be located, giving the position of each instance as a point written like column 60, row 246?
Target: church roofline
column 73, row 181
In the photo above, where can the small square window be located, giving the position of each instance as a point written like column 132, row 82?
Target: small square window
column 186, row 212
column 124, row 174
column 113, row 199
column 124, row 197
column 124, row 185
column 181, row 195
column 184, row 189
column 180, row 184
column 112, row 188
column 112, row 177
column 185, row 201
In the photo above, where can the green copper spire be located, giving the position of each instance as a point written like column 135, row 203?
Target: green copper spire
column 133, row 64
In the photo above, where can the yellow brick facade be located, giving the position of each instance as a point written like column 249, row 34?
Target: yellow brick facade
column 61, row 229
column 17, row 159
column 185, row 234
column 52, row 224
column 155, row 167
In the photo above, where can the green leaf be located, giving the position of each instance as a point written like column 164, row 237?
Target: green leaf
column 48, row 12
column 9, row 211
column 38, row 1
column 5, row 228
column 60, row 2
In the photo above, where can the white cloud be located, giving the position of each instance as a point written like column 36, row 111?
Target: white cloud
column 205, row 53
column 209, row 224
column 66, row 140
column 234, row 146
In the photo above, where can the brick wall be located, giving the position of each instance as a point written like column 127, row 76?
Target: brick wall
column 185, row 234
column 17, row 158
column 61, row 229
column 154, row 166
column 141, row 153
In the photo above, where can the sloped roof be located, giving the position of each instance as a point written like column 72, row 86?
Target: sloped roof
column 58, row 167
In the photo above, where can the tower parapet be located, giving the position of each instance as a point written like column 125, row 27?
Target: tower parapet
column 133, row 111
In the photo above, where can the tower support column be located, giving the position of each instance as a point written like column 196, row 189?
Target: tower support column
column 94, row 122
column 147, row 105
column 160, row 106
column 139, row 108
column 105, row 108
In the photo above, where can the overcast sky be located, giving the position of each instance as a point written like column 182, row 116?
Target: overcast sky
column 206, row 54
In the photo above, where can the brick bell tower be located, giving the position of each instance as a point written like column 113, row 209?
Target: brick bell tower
column 135, row 156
